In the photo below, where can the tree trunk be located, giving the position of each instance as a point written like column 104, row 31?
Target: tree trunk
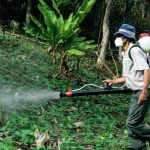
column 28, row 13
column 143, row 9
column 105, row 36
column 54, row 59
column 148, row 9
column 64, row 68
column 100, row 15
column 127, row 9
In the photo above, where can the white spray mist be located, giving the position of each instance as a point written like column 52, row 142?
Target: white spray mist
column 11, row 97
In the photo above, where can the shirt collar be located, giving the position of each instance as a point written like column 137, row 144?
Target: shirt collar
column 130, row 45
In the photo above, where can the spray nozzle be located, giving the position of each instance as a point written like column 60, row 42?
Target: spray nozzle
column 69, row 92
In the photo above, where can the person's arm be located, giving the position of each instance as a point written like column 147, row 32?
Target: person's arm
column 115, row 81
column 143, row 95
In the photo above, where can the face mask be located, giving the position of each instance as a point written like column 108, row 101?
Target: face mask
column 118, row 42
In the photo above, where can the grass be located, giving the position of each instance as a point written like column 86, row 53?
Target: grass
column 26, row 64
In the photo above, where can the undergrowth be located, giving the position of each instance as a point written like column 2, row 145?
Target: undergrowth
column 102, row 118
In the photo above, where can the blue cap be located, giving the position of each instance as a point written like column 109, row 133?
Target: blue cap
column 127, row 31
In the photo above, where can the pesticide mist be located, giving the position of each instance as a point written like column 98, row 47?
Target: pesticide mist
column 21, row 98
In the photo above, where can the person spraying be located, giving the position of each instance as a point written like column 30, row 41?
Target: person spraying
column 136, row 76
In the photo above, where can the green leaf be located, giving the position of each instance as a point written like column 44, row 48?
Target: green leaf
column 55, row 7
column 75, row 52
column 68, row 22
column 39, row 25
column 83, row 10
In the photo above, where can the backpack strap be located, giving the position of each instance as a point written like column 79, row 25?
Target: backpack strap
column 129, row 53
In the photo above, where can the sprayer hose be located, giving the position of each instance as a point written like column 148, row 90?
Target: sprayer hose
column 93, row 85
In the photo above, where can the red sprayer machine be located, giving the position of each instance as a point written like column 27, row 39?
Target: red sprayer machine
column 97, row 91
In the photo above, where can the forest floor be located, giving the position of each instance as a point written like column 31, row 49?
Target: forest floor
column 77, row 123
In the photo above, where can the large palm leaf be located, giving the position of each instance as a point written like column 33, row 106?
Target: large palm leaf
column 61, row 34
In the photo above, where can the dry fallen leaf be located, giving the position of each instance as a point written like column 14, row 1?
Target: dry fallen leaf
column 55, row 121
column 79, row 124
column 71, row 109
column 59, row 144
column 41, row 138
column 49, row 50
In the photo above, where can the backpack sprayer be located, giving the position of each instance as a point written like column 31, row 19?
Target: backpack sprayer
column 100, row 90
column 144, row 41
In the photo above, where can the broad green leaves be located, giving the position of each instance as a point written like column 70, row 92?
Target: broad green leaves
column 75, row 52
column 55, row 29
column 83, row 10
column 61, row 34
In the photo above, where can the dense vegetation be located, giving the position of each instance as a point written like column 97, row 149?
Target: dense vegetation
column 99, row 24
column 92, row 122
column 66, row 40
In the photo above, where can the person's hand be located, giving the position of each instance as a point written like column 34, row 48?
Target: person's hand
column 142, row 97
column 107, row 82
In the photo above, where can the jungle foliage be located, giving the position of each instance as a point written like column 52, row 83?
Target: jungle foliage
column 69, row 30
column 93, row 122
column 62, row 34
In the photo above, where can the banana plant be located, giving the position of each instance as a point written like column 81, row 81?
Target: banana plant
column 61, row 34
